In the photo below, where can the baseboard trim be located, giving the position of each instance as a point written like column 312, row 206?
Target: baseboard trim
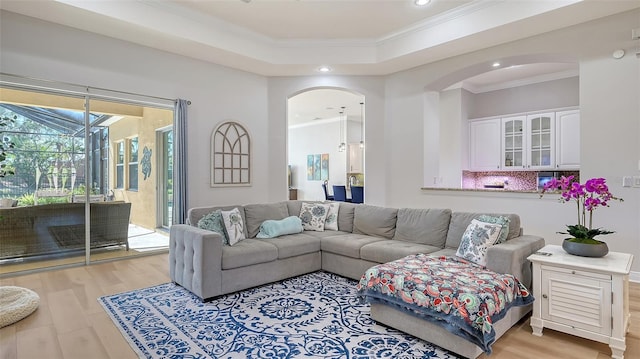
column 634, row 277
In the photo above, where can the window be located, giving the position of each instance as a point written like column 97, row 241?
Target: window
column 230, row 152
column 120, row 164
column 133, row 163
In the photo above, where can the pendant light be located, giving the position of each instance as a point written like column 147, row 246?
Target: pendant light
column 361, row 124
column 343, row 146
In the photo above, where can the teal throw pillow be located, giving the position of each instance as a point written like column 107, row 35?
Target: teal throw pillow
column 274, row 228
column 502, row 221
column 214, row 223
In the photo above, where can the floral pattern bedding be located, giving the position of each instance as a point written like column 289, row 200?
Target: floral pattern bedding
column 461, row 296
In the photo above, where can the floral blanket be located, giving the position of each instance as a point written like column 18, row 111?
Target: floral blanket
column 461, row 296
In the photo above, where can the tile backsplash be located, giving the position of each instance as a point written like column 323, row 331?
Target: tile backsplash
column 508, row 180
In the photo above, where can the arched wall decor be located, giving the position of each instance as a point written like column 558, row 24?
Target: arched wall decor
column 230, row 155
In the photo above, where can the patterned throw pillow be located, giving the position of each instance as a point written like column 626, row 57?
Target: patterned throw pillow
column 234, row 225
column 313, row 216
column 331, row 223
column 478, row 237
column 501, row 220
column 214, row 223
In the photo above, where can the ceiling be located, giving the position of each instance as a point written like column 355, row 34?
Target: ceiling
column 295, row 37
column 353, row 37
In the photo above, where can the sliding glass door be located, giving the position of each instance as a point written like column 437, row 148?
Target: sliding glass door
column 98, row 179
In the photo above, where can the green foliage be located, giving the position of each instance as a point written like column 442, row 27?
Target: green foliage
column 583, row 234
column 5, row 144
column 26, row 199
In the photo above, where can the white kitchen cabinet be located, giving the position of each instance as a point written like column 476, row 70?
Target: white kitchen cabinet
column 541, row 141
column 356, row 158
column 568, row 140
column 582, row 296
column 484, row 145
column 514, row 143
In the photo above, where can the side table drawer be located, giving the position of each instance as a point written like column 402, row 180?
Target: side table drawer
column 577, row 298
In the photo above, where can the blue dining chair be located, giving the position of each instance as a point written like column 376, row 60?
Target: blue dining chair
column 340, row 194
column 326, row 191
column 357, row 194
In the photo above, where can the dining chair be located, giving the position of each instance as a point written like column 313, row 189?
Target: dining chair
column 357, row 194
column 326, row 191
column 340, row 194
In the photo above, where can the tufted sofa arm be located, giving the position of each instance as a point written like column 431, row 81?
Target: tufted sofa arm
column 196, row 260
column 511, row 257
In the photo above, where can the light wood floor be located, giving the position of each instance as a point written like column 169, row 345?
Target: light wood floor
column 70, row 323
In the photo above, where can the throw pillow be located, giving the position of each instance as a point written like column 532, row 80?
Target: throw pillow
column 331, row 223
column 501, row 220
column 214, row 223
column 274, row 228
column 313, row 216
column 234, row 225
column 478, row 237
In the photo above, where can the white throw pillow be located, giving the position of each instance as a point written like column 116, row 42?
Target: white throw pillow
column 234, row 225
column 313, row 216
column 478, row 237
column 331, row 223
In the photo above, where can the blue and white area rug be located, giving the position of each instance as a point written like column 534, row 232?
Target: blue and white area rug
column 312, row 316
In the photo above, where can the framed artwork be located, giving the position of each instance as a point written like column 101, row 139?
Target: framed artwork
column 318, row 167
column 324, row 167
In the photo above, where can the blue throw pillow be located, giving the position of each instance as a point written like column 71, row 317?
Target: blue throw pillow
column 275, row 228
column 214, row 223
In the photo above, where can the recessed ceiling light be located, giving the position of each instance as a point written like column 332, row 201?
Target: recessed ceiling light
column 324, row 69
column 422, row 2
column 496, row 64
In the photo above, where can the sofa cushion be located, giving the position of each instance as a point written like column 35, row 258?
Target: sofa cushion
column 213, row 222
column 255, row 214
column 424, row 226
column 248, row 252
column 390, row 250
column 196, row 213
column 345, row 216
column 375, row 221
column 347, row 245
column 313, row 216
column 477, row 238
column 461, row 220
column 294, row 244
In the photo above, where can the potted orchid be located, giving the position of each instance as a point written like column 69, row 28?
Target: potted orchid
column 588, row 197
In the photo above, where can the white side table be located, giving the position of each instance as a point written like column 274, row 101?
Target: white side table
column 586, row 297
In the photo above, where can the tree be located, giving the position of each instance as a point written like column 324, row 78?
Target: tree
column 5, row 144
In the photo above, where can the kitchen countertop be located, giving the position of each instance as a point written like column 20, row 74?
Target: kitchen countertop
column 481, row 190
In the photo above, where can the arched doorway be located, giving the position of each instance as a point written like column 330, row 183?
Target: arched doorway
column 326, row 141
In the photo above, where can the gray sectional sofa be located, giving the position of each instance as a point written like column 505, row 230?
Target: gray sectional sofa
column 367, row 236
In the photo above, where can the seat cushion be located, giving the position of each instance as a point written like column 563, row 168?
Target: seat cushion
column 424, row 226
column 391, row 250
column 293, row 245
column 375, row 221
column 248, row 252
column 347, row 245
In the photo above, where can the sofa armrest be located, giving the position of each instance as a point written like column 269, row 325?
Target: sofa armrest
column 195, row 260
column 511, row 257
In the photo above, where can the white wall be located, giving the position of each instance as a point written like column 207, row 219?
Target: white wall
column 316, row 138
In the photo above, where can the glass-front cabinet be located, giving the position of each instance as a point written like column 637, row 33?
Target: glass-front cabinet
column 513, row 142
column 541, row 138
